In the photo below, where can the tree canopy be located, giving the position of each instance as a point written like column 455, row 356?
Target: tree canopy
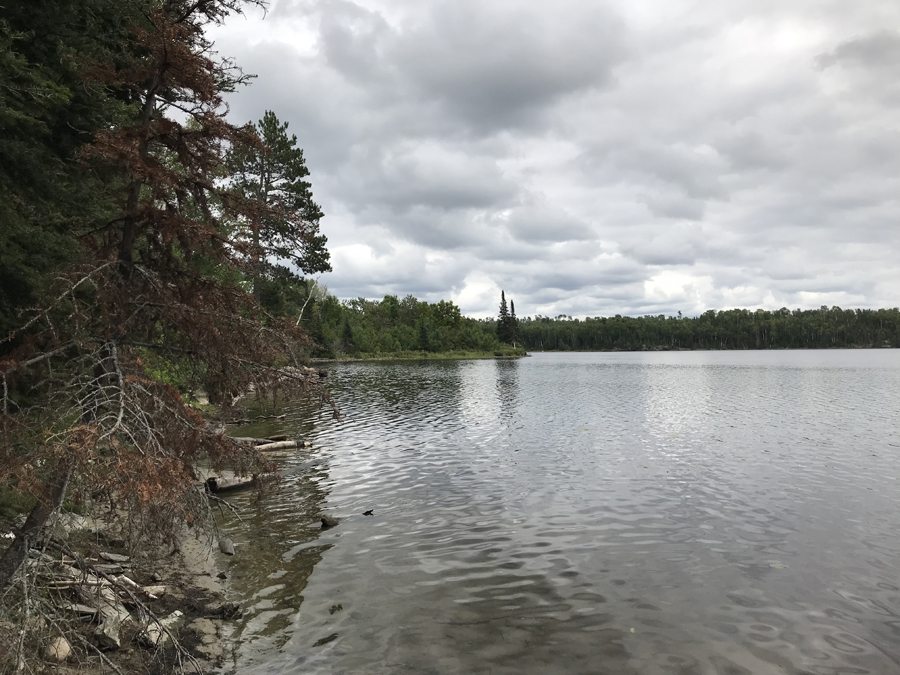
column 273, row 172
column 127, row 248
column 507, row 324
column 823, row 328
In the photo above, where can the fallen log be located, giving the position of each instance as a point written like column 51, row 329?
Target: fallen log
column 280, row 445
column 215, row 484
column 249, row 440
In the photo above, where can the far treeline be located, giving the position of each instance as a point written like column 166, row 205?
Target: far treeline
column 390, row 327
column 823, row 328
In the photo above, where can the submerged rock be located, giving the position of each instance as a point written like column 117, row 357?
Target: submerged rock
column 329, row 521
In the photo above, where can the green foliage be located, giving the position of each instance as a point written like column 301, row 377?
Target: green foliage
column 507, row 324
column 48, row 114
column 274, row 173
column 822, row 328
column 13, row 502
column 394, row 327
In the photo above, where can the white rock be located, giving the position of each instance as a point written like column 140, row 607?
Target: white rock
column 154, row 634
column 58, row 650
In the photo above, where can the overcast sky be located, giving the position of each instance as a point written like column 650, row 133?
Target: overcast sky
column 591, row 158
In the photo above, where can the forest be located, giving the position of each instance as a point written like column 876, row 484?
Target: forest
column 823, row 328
column 399, row 327
column 139, row 227
column 150, row 247
column 371, row 328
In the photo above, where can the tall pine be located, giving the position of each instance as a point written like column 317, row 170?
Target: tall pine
column 513, row 323
column 505, row 331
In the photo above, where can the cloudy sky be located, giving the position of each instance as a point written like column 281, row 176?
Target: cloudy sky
column 589, row 157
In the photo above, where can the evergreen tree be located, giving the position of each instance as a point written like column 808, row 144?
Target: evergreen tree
column 156, row 278
column 273, row 172
column 504, row 327
column 513, row 322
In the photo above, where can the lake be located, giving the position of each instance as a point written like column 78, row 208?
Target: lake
column 609, row 513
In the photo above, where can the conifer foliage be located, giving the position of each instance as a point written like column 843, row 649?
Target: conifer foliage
column 273, row 172
column 507, row 324
column 158, row 279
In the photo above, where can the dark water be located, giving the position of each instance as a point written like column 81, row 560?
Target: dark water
column 686, row 513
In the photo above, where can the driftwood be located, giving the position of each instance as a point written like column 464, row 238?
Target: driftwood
column 215, row 484
column 272, row 442
column 280, row 445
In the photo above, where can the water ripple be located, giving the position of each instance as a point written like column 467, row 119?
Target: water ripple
column 686, row 513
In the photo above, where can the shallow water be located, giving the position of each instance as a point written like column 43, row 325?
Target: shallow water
column 681, row 512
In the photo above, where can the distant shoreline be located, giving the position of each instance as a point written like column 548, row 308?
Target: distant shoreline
column 426, row 356
column 710, row 349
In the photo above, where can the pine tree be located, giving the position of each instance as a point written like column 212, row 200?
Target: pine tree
column 273, row 172
column 504, row 332
column 157, row 280
column 513, row 322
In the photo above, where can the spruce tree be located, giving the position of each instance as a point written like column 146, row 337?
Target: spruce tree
column 513, row 322
column 504, row 333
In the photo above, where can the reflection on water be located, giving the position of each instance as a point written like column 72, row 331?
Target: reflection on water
column 689, row 513
column 277, row 538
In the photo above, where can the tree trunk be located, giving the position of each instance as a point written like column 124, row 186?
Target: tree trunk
column 14, row 556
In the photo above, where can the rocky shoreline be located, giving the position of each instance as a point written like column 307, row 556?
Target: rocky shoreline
column 110, row 606
column 107, row 609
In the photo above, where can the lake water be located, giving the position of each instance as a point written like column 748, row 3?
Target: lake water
column 683, row 513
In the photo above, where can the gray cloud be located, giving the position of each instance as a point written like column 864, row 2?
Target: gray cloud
column 878, row 50
column 593, row 158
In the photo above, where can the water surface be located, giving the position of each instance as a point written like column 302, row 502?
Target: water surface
column 679, row 512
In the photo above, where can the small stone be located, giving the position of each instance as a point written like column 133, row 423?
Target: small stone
column 329, row 521
column 157, row 591
column 155, row 577
column 222, row 575
column 370, row 512
column 58, row 650
column 229, row 610
column 114, row 557
column 226, row 545
column 109, row 568
column 35, row 624
column 107, row 635
column 155, row 633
